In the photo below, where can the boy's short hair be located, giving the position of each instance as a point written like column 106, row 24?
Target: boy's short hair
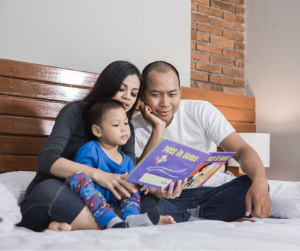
column 98, row 110
column 158, row 66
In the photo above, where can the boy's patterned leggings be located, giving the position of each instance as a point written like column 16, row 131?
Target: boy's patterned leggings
column 83, row 185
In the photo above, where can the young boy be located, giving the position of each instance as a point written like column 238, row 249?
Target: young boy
column 109, row 125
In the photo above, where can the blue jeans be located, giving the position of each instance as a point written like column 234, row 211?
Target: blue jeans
column 50, row 200
column 225, row 202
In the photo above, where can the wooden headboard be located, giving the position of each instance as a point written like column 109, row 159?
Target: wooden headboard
column 31, row 95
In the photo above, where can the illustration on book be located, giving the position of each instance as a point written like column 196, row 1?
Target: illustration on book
column 172, row 161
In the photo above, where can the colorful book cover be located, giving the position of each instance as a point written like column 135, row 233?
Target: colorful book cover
column 171, row 161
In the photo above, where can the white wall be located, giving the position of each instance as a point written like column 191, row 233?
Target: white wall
column 272, row 73
column 88, row 35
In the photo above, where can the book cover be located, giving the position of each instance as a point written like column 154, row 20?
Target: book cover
column 172, row 161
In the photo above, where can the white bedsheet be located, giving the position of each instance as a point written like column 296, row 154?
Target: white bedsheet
column 266, row 234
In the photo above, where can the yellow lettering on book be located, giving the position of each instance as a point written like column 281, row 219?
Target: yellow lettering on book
column 170, row 150
column 180, row 152
column 190, row 157
column 211, row 158
column 224, row 158
column 217, row 158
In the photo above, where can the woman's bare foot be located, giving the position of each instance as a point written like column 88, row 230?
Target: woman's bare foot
column 59, row 226
column 166, row 220
column 243, row 219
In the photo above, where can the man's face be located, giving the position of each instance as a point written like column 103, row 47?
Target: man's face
column 162, row 94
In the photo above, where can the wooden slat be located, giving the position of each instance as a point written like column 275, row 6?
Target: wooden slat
column 21, row 145
column 23, row 88
column 11, row 163
column 23, row 70
column 238, row 115
column 219, row 98
column 25, row 126
column 243, row 127
column 29, row 107
column 231, row 114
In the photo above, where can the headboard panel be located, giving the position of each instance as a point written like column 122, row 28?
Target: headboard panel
column 31, row 95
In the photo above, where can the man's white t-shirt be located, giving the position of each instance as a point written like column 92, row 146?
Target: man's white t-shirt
column 196, row 123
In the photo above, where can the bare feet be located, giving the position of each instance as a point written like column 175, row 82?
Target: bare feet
column 166, row 220
column 59, row 226
column 243, row 219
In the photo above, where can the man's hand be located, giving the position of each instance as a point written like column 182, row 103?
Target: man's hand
column 259, row 196
column 170, row 194
column 153, row 120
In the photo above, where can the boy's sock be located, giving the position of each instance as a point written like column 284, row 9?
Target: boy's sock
column 143, row 220
column 116, row 223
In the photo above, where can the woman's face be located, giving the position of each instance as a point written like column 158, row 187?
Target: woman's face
column 128, row 91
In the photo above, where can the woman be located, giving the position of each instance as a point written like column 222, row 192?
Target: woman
column 47, row 198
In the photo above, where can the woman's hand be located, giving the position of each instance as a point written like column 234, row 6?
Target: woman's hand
column 154, row 121
column 116, row 183
column 170, row 194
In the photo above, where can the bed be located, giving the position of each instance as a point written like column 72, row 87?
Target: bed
column 31, row 96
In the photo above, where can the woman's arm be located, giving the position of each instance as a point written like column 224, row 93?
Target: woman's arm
column 114, row 182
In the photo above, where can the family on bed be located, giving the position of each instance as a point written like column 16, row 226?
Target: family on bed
column 95, row 142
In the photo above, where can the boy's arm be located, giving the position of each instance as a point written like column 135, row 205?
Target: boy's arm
column 251, row 164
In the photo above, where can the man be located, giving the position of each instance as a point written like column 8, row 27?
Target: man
column 196, row 123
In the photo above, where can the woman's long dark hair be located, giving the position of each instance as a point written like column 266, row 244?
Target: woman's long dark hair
column 108, row 84
column 110, row 81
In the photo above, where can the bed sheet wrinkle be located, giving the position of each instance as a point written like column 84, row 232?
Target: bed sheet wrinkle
column 266, row 234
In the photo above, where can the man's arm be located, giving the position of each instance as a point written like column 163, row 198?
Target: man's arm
column 157, row 133
column 252, row 165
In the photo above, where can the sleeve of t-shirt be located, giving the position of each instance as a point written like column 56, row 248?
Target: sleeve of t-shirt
column 214, row 123
column 128, row 148
column 131, row 165
column 66, row 124
column 138, row 149
column 87, row 155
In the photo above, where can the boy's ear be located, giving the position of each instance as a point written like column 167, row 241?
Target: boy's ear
column 96, row 131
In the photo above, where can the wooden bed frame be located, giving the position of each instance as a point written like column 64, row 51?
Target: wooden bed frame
column 31, row 95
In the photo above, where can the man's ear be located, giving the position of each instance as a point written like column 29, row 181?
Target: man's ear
column 96, row 131
column 180, row 91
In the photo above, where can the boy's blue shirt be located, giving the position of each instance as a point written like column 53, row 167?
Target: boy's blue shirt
column 91, row 154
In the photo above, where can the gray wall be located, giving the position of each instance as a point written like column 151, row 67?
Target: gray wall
column 272, row 75
column 88, row 35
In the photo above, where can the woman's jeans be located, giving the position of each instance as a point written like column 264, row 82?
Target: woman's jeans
column 52, row 200
column 225, row 202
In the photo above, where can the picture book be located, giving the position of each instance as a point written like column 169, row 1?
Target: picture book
column 172, row 161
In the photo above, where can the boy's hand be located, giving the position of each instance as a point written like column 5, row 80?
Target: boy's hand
column 144, row 188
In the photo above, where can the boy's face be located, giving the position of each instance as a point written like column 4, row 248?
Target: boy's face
column 114, row 129
column 162, row 94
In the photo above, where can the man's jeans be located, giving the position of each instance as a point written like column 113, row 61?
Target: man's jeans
column 225, row 202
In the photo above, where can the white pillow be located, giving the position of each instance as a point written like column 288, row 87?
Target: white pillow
column 17, row 182
column 285, row 197
column 10, row 213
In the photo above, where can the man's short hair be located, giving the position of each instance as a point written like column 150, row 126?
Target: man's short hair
column 158, row 66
